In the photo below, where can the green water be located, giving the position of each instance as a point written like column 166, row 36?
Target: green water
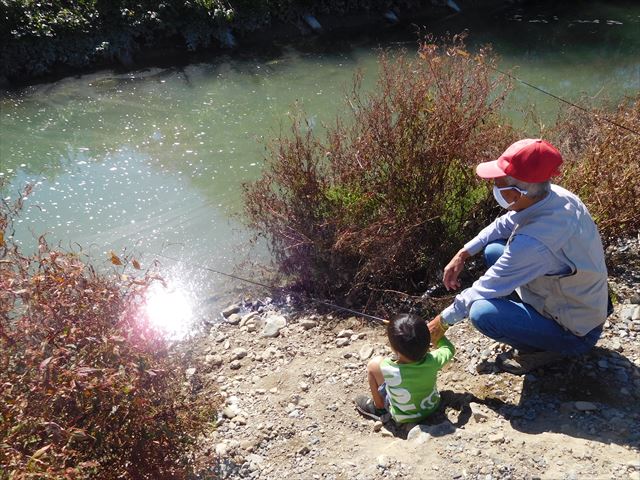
column 153, row 161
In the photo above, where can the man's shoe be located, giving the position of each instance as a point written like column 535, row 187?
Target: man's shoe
column 366, row 407
column 521, row 363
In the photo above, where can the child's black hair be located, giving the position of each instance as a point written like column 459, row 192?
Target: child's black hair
column 408, row 334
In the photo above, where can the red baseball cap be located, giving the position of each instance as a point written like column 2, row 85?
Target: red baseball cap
column 529, row 160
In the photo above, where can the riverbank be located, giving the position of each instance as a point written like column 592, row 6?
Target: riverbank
column 287, row 379
column 52, row 42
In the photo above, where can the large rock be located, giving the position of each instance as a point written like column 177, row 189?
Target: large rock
column 273, row 325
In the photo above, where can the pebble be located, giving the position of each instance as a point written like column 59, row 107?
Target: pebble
column 377, row 426
column 365, row 352
column 231, row 411
column 382, row 461
column 238, row 353
column 233, row 319
column 230, row 310
column 344, row 334
column 273, row 325
column 189, row 372
column 342, row 342
column 385, row 432
column 479, row 412
column 586, row 406
column 304, row 386
column 308, row 324
column 235, row 365
column 213, row 360
column 496, row 438
column 419, row 434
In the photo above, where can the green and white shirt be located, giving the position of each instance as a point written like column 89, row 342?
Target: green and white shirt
column 411, row 387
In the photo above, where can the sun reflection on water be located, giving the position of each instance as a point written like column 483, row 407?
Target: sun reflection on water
column 170, row 308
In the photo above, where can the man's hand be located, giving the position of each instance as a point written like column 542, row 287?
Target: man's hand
column 453, row 269
column 436, row 329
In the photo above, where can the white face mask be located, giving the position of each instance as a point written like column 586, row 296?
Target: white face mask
column 497, row 194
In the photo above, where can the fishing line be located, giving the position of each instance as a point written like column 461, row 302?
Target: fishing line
column 273, row 288
column 563, row 100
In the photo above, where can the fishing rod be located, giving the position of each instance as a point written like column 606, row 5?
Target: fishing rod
column 274, row 288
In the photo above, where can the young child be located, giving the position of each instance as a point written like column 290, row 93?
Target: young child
column 406, row 387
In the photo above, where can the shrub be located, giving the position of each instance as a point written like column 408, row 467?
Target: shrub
column 602, row 164
column 88, row 389
column 389, row 193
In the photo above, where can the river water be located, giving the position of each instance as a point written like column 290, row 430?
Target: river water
column 152, row 161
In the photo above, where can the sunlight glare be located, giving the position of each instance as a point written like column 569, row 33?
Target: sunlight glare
column 170, row 309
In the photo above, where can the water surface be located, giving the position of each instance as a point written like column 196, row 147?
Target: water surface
column 152, row 161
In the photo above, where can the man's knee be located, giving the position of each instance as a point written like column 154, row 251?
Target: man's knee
column 485, row 317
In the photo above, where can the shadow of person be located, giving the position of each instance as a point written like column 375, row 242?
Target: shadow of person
column 595, row 397
column 453, row 413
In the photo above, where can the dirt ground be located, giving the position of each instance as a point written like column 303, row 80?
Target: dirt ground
column 288, row 405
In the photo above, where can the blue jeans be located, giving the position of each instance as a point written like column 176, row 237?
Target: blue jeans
column 521, row 326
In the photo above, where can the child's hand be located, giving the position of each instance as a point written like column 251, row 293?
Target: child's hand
column 436, row 329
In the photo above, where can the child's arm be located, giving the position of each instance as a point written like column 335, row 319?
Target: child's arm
column 375, row 380
column 444, row 352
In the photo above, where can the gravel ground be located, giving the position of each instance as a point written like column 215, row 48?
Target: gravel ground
column 287, row 380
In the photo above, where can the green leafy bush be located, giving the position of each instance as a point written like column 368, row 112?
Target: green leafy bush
column 88, row 388
column 390, row 192
column 602, row 164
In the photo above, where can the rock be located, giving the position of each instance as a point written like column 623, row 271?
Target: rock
column 213, row 360
column 189, row 372
column 377, row 426
column 382, row 461
column 308, row 324
column 496, row 438
column 419, row 434
column 616, row 345
column 230, row 310
column 249, row 317
column 636, row 313
column 634, row 476
column 626, row 312
column 385, row 432
column 586, row 406
column 344, row 334
column 233, row 319
column 222, row 449
column 231, row 411
column 365, row 352
column 235, row 365
column 273, row 325
column 238, row 353
column 303, row 450
column 304, row 386
column 342, row 342
column 479, row 412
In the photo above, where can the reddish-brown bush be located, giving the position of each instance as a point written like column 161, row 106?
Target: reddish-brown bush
column 389, row 193
column 602, row 164
column 88, row 389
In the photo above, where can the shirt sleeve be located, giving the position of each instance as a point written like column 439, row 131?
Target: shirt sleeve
column 501, row 228
column 524, row 259
column 444, row 352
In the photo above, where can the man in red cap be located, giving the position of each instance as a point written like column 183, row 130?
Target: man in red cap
column 546, row 248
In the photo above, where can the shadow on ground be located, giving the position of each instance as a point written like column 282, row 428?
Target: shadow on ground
column 593, row 397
